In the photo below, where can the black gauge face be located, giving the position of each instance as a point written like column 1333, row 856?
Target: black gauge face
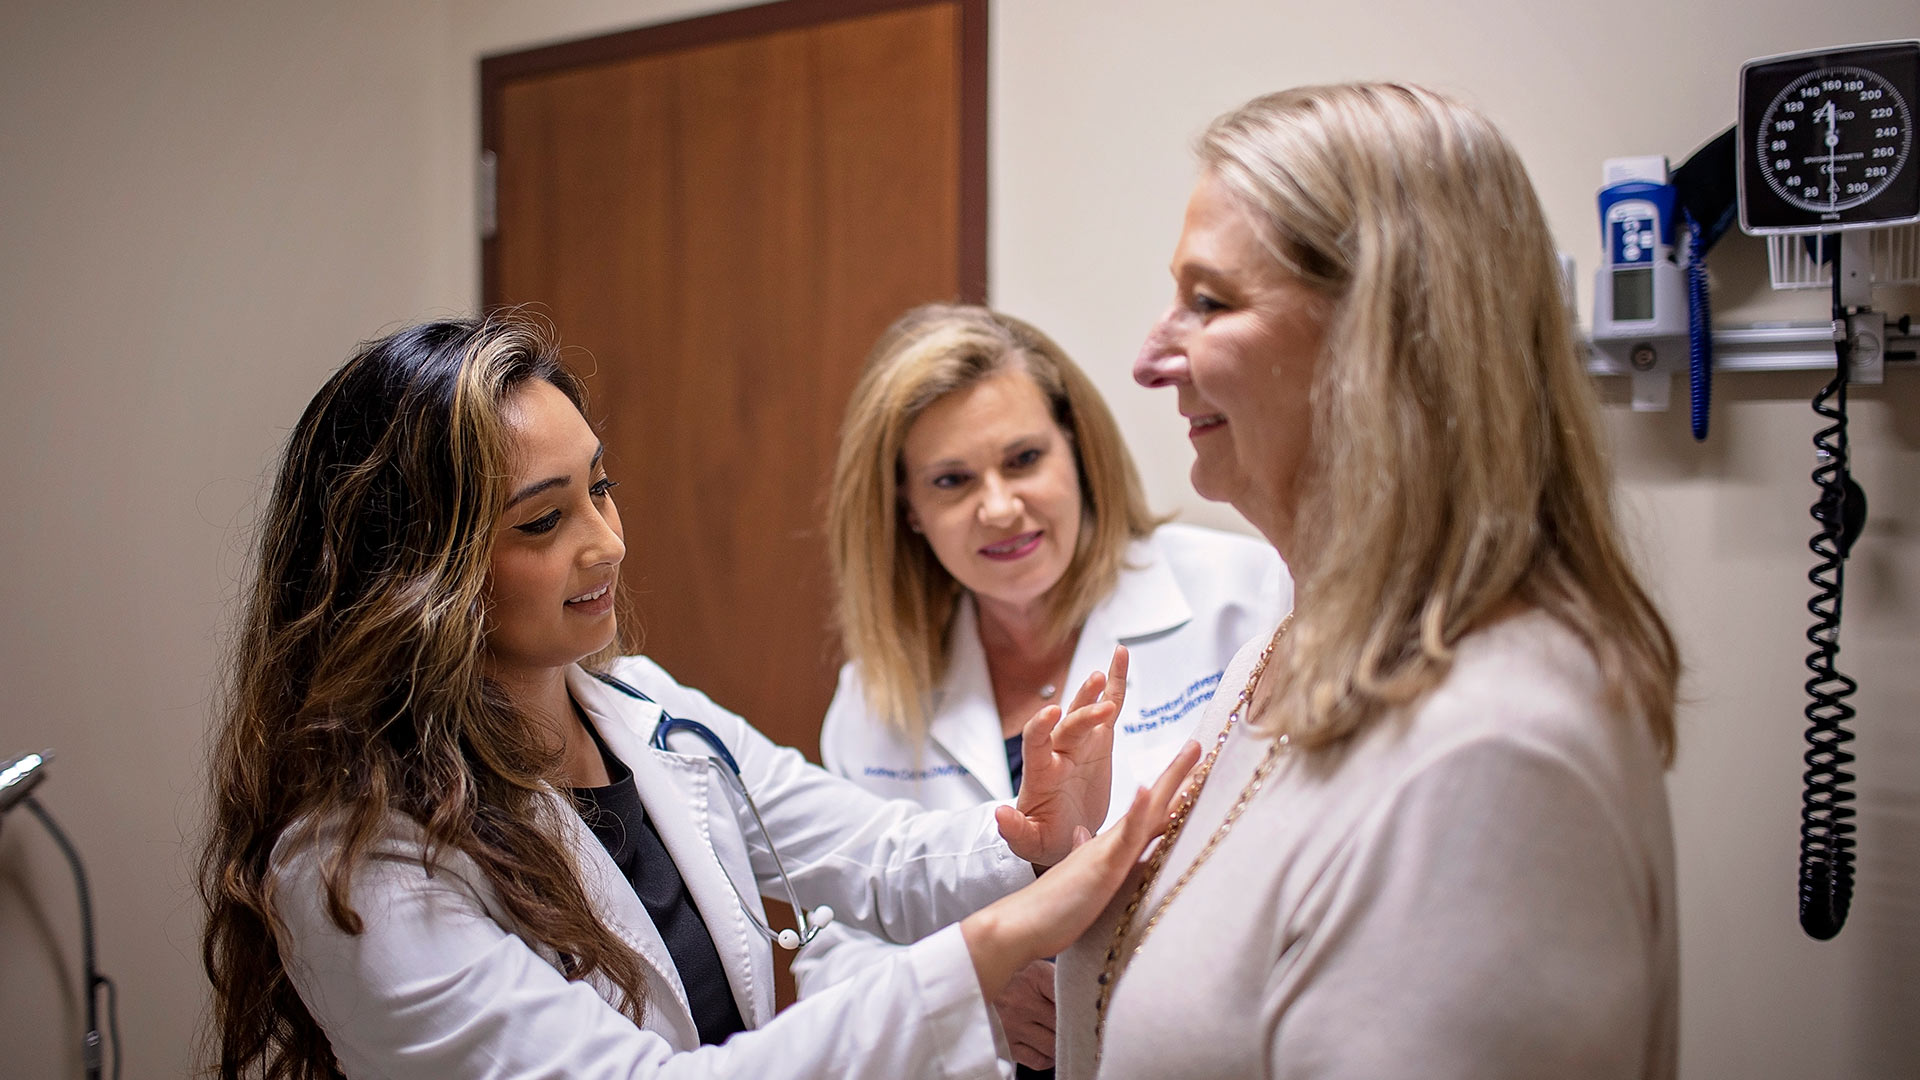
column 1829, row 140
column 1834, row 139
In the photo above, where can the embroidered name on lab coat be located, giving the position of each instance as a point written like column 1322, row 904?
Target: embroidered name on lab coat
column 1197, row 693
column 883, row 773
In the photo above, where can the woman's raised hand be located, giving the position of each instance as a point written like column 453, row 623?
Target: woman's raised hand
column 1050, row 914
column 1067, row 768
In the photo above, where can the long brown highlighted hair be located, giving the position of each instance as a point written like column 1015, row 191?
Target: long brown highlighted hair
column 356, row 692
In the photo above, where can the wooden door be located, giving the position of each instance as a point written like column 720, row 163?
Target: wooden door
column 720, row 216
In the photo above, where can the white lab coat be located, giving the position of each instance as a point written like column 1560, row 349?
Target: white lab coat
column 1185, row 602
column 441, row 985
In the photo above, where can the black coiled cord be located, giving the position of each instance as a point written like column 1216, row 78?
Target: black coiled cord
column 1826, row 818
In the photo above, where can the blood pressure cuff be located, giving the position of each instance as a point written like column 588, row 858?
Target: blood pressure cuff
column 1707, row 189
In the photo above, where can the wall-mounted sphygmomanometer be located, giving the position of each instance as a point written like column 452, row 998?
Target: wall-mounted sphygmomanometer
column 1827, row 164
column 1827, row 140
column 1822, row 164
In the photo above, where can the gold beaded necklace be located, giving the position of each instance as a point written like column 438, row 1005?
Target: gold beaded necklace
column 1117, row 958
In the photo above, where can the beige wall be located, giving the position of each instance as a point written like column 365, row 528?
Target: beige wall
column 203, row 206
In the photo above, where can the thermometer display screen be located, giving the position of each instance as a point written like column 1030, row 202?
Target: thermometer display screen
column 1633, row 295
column 1828, row 140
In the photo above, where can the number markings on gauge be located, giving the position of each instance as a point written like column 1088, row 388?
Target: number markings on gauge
column 1834, row 139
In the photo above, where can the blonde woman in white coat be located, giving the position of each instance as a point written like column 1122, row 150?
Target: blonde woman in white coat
column 989, row 539
column 443, row 845
column 1431, row 836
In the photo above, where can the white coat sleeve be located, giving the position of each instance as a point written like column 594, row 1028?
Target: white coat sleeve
column 435, row 987
column 839, row 952
column 1500, row 913
column 888, row 866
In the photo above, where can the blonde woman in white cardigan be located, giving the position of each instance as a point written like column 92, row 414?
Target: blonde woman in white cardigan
column 1431, row 837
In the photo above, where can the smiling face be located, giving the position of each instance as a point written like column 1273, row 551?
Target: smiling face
column 992, row 483
column 1242, row 345
column 558, row 546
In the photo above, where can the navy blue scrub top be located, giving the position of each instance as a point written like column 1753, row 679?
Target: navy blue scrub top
column 621, row 824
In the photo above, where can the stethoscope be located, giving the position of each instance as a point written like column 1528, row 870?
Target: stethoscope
column 722, row 761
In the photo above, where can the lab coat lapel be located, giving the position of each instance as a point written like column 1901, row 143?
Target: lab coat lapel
column 614, row 899
column 966, row 725
column 1146, row 601
column 689, row 805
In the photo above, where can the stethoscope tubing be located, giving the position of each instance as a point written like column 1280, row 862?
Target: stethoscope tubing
column 722, row 761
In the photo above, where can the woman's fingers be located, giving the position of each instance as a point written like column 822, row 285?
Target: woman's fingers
column 1084, row 723
column 1135, row 829
column 1036, row 737
column 1166, row 788
column 1031, row 1056
column 1089, row 691
column 1149, row 815
column 1116, row 691
column 1046, row 916
column 1083, row 714
column 1018, row 830
column 1027, row 1015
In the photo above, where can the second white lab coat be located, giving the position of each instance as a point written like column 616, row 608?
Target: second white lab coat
column 441, row 984
column 1186, row 600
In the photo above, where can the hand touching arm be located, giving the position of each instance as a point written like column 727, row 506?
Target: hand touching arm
column 1048, row 915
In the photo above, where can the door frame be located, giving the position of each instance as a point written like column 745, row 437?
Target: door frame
column 499, row 69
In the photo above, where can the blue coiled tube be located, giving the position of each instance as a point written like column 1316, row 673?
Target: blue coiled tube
column 1699, row 330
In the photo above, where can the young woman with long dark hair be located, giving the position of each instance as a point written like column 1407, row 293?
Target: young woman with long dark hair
column 443, row 844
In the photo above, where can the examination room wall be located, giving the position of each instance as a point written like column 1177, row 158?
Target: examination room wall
column 202, row 208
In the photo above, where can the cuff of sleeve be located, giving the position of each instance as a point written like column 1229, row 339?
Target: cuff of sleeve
column 957, row 1017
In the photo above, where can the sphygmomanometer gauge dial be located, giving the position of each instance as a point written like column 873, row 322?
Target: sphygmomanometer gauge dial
column 1828, row 139
column 1834, row 139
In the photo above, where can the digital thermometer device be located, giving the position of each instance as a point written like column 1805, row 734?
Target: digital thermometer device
column 1640, row 293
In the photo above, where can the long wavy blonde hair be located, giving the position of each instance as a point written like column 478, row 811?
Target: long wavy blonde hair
column 356, row 691
column 896, row 601
column 1469, row 471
